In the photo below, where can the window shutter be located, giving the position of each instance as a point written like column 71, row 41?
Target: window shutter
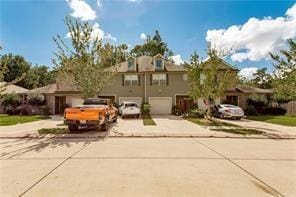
column 139, row 80
column 167, row 79
column 151, row 79
column 122, row 80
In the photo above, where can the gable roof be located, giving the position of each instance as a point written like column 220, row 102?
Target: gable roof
column 224, row 63
column 49, row 89
column 146, row 64
column 9, row 89
column 248, row 89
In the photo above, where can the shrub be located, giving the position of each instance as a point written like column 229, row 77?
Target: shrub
column 251, row 111
column 10, row 102
column 176, row 110
column 274, row 111
column 46, row 110
column 145, row 107
column 37, row 100
column 196, row 113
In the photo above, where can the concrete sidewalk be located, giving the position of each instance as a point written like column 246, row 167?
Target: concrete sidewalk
column 147, row 167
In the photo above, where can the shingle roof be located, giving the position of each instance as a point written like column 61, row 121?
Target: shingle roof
column 43, row 90
column 250, row 89
column 12, row 89
column 145, row 64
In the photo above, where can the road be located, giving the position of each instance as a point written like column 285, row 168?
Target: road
column 147, row 167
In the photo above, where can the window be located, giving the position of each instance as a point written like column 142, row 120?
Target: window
column 159, row 79
column 130, row 80
column 131, row 64
column 158, row 64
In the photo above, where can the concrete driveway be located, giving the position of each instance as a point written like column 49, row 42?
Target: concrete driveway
column 271, row 129
column 165, row 125
column 147, row 167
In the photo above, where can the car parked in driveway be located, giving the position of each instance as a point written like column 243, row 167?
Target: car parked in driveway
column 129, row 109
column 227, row 111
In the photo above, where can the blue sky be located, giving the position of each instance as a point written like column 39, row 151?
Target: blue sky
column 27, row 26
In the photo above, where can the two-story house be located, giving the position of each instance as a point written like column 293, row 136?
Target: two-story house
column 153, row 80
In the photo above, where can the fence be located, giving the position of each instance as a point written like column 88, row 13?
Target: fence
column 290, row 107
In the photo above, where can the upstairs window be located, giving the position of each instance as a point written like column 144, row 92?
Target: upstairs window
column 159, row 79
column 158, row 62
column 131, row 80
column 131, row 64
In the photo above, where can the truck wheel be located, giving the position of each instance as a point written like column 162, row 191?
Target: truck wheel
column 72, row 127
column 104, row 127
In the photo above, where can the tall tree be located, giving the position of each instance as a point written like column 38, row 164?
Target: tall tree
column 88, row 63
column 284, row 79
column 39, row 76
column 152, row 46
column 16, row 68
column 207, row 80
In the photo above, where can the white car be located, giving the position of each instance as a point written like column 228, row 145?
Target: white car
column 129, row 109
column 227, row 111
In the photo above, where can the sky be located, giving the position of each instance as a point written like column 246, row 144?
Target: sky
column 246, row 30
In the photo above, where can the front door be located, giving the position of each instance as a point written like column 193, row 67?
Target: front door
column 184, row 103
column 60, row 104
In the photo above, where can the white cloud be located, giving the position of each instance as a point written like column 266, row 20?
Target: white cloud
column 247, row 72
column 99, row 3
column 256, row 38
column 81, row 10
column 177, row 59
column 143, row 36
column 97, row 33
column 134, row 1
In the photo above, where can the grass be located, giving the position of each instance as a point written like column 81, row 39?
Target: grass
column 240, row 131
column 147, row 120
column 281, row 120
column 54, row 131
column 207, row 122
column 18, row 119
column 61, row 124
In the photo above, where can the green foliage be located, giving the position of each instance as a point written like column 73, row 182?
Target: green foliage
column 152, row 46
column 16, row 70
column 10, row 102
column 145, row 108
column 251, row 111
column 36, row 99
column 88, row 64
column 258, row 98
column 284, row 82
column 206, row 79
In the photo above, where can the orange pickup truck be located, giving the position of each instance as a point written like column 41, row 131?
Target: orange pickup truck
column 94, row 112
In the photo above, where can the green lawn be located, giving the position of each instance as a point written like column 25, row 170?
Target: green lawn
column 206, row 122
column 281, row 120
column 147, row 120
column 53, row 131
column 240, row 131
column 17, row 119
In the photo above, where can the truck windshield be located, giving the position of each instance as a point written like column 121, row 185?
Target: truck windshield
column 95, row 102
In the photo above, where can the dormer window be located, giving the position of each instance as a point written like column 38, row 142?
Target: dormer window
column 131, row 64
column 158, row 62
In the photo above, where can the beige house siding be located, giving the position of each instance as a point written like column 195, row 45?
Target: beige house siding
column 50, row 102
column 176, row 86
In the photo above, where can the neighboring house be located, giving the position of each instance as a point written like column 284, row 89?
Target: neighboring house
column 154, row 80
column 12, row 89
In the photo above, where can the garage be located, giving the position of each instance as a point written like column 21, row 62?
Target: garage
column 138, row 100
column 76, row 101
column 160, row 105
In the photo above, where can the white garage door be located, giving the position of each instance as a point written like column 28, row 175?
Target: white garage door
column 138, row 100
column 160, row 105
column 76, row 101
